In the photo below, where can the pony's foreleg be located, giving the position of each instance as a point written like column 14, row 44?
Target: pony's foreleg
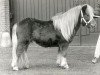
column 61, row 58
column 97, row 51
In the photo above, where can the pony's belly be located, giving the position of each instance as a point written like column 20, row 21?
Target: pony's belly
column 46, row 39
column 48, row 43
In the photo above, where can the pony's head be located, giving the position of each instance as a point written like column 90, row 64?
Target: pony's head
column 87, row 16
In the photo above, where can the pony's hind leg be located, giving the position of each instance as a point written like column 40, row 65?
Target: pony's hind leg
column 19, row 48
column 25, row 58
column 21, row 53
column 61, row 58
column 17, row 53
column 97, row 51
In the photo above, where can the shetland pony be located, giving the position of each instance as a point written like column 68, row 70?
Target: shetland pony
column 57, row 32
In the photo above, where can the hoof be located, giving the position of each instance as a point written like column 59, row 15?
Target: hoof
column 26, row 67
column 15, row 69
column 94, row 60
column 65, row 67
column 58, row 65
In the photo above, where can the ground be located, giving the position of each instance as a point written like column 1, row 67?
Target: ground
column 43, row 62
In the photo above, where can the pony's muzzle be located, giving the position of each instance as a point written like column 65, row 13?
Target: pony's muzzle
column 93, row 24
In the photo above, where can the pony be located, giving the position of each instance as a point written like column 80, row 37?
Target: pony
column 59, row 32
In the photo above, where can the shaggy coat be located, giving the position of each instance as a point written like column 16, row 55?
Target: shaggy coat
column 42, row 32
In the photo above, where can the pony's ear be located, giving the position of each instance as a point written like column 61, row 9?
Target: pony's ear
column 84, row 7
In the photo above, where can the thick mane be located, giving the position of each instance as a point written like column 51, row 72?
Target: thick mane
column 65, row 22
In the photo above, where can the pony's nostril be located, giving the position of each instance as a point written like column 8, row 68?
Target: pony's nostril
column 93, row 25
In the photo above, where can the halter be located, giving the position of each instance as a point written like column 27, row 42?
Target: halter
column 82, row 18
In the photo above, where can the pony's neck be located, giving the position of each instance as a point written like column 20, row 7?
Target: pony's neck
column 78, row 24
